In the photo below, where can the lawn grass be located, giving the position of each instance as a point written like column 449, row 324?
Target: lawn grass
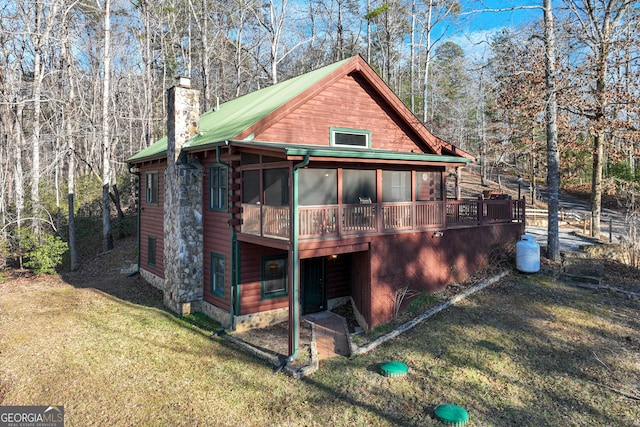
column 525, row 351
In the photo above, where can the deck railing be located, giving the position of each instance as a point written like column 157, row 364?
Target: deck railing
column 331, row 221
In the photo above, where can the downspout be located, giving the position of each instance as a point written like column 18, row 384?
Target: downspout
column 234, row 243
column 138, row 174
column 294, row 299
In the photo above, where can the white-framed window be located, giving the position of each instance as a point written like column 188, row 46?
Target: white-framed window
column 355, row 138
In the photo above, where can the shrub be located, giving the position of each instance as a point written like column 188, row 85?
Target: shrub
column 43, row 252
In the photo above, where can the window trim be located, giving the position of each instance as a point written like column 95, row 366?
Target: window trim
column 334, row 130
column 279, row 293
column 221, row 189
column 151, row 263
column 152, row 192
column 218, row 292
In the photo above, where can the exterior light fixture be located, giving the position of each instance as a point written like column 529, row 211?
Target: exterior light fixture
column 438, row 234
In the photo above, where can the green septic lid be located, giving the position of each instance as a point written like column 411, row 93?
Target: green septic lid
column 393, row 369
column 452, row 415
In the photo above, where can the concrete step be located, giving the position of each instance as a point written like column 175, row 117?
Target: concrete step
column 581, row 279
column 579, row 268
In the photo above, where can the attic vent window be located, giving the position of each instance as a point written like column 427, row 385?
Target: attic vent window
column 350, row 138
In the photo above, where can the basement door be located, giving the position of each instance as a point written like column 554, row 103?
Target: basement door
column 313, row 286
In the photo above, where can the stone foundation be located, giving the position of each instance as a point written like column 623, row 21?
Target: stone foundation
column 152, row 279
column 216, row 313
column 260, row 320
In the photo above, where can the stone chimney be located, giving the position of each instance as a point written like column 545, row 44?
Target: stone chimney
column 183, row 241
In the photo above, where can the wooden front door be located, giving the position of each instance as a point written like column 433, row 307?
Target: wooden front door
column 313, row 286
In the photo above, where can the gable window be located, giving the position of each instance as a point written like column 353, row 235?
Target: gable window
column 217, row 274
column 218, row 188
column 274, row 276
column 151, row 251
column 350, row 138
column 152, row 188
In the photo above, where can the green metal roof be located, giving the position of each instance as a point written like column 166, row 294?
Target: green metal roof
column 234, row 116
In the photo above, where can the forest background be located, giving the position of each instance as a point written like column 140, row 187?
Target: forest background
column 83, row 86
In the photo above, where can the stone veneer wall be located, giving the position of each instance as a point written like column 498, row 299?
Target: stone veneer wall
column 183, row 239
column 219, row 315
column 260, row 320
column 246, row 322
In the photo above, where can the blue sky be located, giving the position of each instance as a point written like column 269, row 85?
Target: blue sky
column 472, row 30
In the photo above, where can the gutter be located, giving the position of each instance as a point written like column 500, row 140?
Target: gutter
column 138, row 174
column 233, row 250
column 294, row 300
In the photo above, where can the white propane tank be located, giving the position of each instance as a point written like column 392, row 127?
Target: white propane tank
column 528, row 254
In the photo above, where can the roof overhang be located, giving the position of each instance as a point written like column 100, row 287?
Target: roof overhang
column 317, row 153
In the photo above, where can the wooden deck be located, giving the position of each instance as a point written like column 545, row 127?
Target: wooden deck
column 336, row 221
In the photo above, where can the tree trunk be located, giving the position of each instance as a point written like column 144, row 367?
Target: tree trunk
column 553, row 155
column 35, row 139
column 596, row 183
column 412, row 59
column 115, row 198
column 107, row 238
column 19, row 175
column 368, row 33
column 427, row 65
column 71, row 161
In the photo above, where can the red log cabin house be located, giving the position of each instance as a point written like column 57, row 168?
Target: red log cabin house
column 318, row 191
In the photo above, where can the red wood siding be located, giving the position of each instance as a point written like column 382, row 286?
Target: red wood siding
column 346, row 104
column 152, row 219
column 427, row 263
column 361, row 283
column 251, row 280
column 216, row 237
column 339, row 276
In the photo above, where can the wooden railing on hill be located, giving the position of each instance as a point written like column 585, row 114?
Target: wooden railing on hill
column 333, row 221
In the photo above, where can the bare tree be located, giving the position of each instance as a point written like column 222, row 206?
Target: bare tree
column 69, row 114
column 107, row 237
column 435, row 13
column 45, row 19
column 598, row 28
column 553, row 155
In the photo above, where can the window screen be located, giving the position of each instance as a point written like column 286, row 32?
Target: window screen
column 358, row 184
column 396, row 186
column 276, row 187
column 428, row 185
column 318, row 187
